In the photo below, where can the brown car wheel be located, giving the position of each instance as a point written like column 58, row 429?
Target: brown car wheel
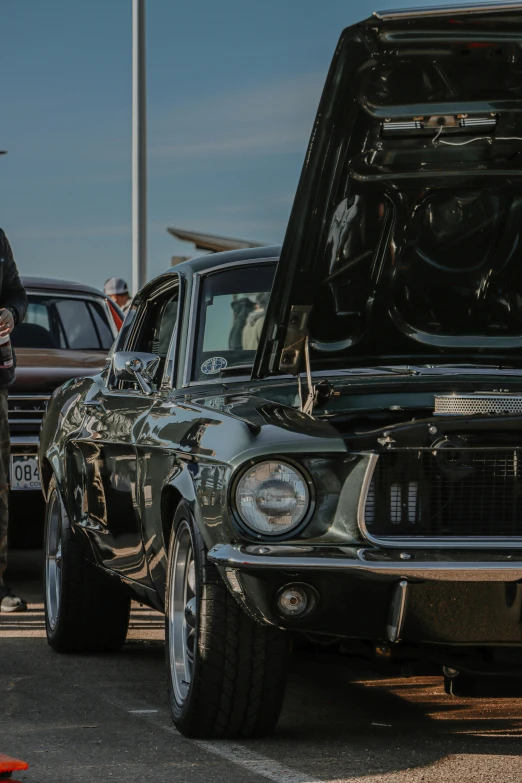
column 226, row 673
column 84, row 612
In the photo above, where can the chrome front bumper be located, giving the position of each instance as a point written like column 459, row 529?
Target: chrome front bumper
column 429, row 565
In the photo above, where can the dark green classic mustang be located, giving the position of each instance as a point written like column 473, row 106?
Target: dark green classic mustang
column 323, row 440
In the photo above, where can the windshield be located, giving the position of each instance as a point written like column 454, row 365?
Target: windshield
column 231, row 314
column 62, row 322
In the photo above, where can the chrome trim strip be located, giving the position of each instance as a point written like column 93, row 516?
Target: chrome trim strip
column 170, row 369
column 35, row 411
column 239, row 262
column 189, row 342
column 238, row 557
column 36, row 420
column 446, row 542
column 361, row 508
column 29, row 397
column 397, row 611
column 24, row 440
column 474, row 8
column 223, row 380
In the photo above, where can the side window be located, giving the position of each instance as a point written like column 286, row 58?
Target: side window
column 167, row 324
column 102, row 326
column 77, row 325
column 157, row 322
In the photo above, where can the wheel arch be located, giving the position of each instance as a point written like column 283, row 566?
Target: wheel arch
column 180, row 487
column 49, row 468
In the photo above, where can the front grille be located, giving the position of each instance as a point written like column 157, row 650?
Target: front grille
column 470, row 404
column 446, row 492
column 26, row 411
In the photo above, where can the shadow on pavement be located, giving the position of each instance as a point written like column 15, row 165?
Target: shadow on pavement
column 339, row 721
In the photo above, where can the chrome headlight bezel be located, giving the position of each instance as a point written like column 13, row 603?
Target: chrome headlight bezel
column 290, row 532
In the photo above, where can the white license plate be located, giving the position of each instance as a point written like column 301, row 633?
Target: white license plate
column 24, row 472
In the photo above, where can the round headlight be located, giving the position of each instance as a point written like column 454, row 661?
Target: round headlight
column 272, row 498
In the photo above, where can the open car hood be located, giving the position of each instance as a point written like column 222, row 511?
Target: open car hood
column 404, row 242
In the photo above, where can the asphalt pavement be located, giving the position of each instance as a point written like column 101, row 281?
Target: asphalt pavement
column 105, row 717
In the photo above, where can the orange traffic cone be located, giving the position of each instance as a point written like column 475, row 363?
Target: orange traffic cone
column 9, row 765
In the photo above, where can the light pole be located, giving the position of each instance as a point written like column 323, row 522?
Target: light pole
column 139, row 147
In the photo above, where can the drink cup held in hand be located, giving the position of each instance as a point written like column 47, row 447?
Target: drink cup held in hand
column 6, row 353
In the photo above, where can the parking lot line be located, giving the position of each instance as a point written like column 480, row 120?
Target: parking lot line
column 230, row 751
column 254, row 762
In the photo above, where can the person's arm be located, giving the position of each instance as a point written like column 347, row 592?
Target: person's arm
column 12, row 294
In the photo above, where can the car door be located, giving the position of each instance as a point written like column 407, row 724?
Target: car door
column 174, row 442
column 115, row 413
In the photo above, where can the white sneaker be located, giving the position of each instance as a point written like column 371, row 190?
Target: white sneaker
column 10, row 602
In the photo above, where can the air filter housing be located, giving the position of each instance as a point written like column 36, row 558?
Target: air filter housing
column 470, row 404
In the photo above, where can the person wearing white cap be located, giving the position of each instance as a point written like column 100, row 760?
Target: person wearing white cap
column 116, row 289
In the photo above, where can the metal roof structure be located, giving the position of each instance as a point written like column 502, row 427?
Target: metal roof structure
column 213, row 243
column 50, row 284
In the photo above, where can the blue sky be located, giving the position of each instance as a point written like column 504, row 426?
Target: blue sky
column 232, row 92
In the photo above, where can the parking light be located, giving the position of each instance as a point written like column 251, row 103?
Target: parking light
column 292, row 601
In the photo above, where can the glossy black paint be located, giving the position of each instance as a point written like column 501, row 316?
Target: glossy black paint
column 124, row 459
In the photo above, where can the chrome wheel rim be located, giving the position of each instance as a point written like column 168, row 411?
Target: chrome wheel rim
column 182, row 613
column 53, row 560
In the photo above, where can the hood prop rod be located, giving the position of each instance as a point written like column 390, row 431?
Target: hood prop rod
column 307, row 406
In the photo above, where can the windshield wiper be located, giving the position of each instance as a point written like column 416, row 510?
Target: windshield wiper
column 240, row 369
column 407, row 370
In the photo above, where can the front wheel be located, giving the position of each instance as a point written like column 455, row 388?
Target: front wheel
column 226, row 673
column 83, row 611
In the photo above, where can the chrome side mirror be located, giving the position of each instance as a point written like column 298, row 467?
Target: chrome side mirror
column 137, row 368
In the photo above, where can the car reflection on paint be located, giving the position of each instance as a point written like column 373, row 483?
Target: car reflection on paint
column 342, row 462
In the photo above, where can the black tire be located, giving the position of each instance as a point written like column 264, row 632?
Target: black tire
column 239, row 668
column 86, row 613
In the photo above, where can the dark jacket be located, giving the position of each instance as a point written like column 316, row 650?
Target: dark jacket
column 12, row 294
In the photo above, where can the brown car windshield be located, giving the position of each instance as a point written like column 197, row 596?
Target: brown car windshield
column 232, row 308
column 61, row 322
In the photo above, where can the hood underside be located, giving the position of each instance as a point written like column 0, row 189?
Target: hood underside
column 404, row 243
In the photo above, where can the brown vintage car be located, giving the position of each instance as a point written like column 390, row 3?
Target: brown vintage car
column 67, row 332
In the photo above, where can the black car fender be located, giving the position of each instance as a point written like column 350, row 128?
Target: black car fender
column 178, row 487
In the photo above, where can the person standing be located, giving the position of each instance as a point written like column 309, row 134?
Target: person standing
column 13, row 305
column 254, row 323
column 117, row 290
